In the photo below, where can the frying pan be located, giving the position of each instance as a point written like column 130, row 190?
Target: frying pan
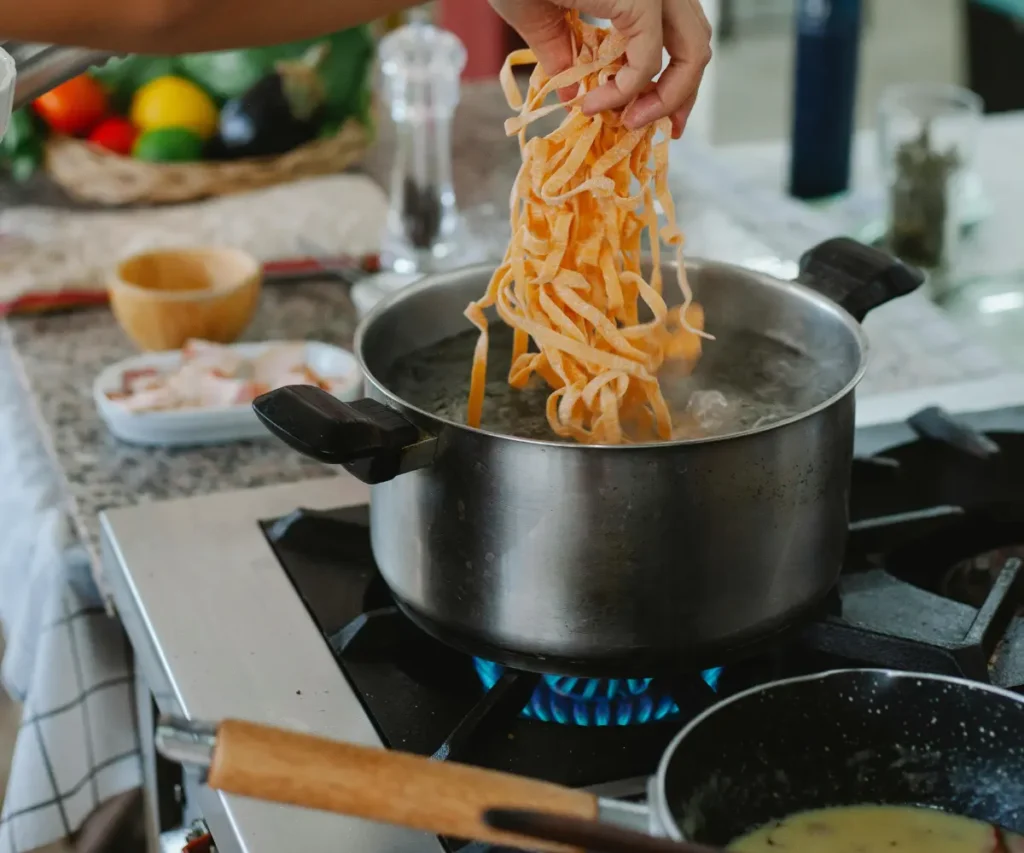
column 844, row 737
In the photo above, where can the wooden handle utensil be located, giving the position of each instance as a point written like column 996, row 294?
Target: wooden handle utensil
column 439, row 797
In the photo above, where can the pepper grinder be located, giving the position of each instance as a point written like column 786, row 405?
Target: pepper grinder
column 421, row 66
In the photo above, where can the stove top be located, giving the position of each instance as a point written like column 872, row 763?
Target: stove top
column 933, row 581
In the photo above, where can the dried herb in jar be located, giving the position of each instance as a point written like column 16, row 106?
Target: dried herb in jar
column 920, row 203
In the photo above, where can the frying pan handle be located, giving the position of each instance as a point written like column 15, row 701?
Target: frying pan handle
column 855, row 276
column 381, row 785
column 372, row 441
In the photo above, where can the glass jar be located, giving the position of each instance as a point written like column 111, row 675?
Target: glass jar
column 421, row 67
column 927, row 136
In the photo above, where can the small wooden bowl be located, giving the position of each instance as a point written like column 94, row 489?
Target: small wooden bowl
column 163, row 298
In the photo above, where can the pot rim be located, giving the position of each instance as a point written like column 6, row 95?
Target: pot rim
column 661, row 811
column 431, row 281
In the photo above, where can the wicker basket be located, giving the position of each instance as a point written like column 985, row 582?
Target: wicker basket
column 89, row 173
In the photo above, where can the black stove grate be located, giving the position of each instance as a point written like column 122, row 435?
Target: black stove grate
column 426, row 698
column 919, row 513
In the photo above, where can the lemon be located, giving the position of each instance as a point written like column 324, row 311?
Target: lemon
column 174, row 102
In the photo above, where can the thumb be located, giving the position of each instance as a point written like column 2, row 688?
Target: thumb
column 544, row 29
column 640, row 23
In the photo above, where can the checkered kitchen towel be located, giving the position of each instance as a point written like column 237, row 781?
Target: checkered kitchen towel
column 66, row 662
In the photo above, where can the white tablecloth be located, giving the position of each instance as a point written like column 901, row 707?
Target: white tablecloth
column 67, row 662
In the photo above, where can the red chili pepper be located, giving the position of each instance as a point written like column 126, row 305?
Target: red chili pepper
column 116, row 134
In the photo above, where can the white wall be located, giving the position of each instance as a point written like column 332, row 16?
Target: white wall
column 701, row 124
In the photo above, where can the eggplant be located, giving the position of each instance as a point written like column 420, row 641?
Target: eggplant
column 280, row 112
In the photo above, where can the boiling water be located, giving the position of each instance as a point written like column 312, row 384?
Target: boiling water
column 742, row 381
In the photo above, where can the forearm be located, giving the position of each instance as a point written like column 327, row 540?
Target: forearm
column 180, row 26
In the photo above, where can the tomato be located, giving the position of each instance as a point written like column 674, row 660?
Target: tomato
column 73, row 108
column 116, row 134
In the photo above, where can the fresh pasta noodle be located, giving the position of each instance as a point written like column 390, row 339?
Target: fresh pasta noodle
column 571, row 278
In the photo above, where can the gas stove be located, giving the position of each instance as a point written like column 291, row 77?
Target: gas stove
column 932, row 583
column 303, row 631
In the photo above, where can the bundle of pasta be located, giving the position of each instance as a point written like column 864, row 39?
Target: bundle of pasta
column 571, row 278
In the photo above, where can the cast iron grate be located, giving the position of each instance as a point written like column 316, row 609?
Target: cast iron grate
column 915, row 511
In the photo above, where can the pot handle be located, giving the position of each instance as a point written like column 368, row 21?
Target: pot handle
column 376, row 784
column 857, row 277
column 372, row 441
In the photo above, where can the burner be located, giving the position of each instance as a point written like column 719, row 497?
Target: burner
column 568, row 700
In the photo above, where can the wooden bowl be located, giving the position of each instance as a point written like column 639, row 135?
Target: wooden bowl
column 163, row 298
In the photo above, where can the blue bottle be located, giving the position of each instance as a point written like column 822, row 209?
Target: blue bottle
column 825, row 89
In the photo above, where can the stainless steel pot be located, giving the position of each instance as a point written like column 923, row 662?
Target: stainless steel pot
column 846, row 737
column 626, row 560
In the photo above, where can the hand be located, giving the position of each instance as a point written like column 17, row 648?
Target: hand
column 648, row 25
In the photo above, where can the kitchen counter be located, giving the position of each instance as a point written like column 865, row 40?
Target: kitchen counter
column 993, row 248
column 60, row 355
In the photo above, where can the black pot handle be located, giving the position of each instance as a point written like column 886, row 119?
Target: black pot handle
column 372, row 441
column 857, row 277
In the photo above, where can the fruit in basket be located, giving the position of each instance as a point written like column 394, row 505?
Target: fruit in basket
column 345, row 70
column 169, row 145
column 174, row 102
column 284, row 110
column 73, row 108
column 115, row 134
column 227, row 74
column 123, row 76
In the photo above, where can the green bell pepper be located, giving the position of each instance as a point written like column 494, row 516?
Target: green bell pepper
column 22, row 147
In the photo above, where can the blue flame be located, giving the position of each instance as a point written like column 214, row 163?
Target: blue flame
column 568, row 700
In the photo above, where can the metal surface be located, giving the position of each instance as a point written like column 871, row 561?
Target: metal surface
column 967, row 760
column 147, row 727
column 186, row 741
column 625, row 560
column 41, row 68
column 196, row 587
column 219, row 631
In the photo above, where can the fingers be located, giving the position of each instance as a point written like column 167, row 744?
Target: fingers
column 681, row 116
column 679, row 26
column 641, row 23
column 542, row 26
column 547, row 34
column 688, row 41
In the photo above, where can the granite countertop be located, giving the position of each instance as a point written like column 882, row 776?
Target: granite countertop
column 59, row 355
